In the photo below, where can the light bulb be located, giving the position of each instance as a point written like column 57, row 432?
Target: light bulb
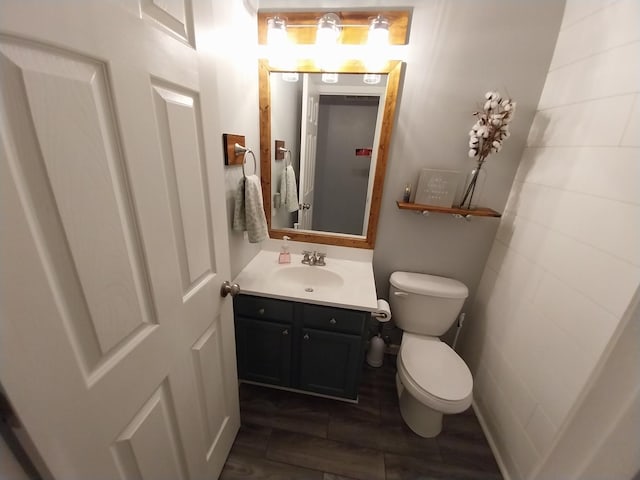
column 378, row 32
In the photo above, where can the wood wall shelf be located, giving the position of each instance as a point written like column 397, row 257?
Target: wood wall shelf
column 456, row 211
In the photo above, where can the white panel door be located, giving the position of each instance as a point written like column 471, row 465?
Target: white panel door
column 116, row 348
column 308, row 144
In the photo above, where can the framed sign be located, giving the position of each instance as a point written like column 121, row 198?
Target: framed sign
column 437, row 187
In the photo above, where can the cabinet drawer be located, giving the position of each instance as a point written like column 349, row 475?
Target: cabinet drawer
column 260, row 307
column 333, row 319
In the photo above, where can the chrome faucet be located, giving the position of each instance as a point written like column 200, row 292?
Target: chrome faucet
column 314, row 258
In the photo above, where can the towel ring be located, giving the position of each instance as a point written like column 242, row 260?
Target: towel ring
column 286, row 152
column 244, row 162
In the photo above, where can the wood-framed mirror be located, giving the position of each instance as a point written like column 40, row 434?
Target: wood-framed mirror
column 366, row 162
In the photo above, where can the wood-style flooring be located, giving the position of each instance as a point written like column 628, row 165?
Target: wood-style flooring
column 287, row 435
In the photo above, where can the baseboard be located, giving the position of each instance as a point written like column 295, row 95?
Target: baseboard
column 492, row 443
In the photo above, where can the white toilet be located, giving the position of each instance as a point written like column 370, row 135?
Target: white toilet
column 432, row 379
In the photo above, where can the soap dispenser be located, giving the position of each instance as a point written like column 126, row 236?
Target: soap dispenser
column 285, row 256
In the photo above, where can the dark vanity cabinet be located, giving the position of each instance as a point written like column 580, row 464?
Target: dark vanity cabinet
column 301, row 346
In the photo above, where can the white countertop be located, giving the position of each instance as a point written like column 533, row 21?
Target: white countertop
column 357, row 292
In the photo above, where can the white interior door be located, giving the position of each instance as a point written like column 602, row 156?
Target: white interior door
column 308, row 143
column 116, row 349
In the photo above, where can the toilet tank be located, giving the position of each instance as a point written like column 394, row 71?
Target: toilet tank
column 425, row 304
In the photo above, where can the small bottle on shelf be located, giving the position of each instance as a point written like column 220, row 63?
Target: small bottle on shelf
column 407, row 193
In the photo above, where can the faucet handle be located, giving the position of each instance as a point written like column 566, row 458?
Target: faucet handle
column 320, row 258
column 306, row 256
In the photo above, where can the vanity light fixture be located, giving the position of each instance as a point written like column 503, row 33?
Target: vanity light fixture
column 331, row 41
column 328, row 30
column 371, row 78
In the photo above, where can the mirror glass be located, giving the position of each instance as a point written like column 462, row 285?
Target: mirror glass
column 330, row 124
column 336, row 129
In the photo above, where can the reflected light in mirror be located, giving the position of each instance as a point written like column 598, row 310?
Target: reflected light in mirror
column 290, row 76
column 330, row 77
column 371, row 78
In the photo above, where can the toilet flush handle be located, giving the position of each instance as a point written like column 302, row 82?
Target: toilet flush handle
column 401, row 294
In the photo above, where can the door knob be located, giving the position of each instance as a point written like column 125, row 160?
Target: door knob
column 305, row 206
column 229, row 288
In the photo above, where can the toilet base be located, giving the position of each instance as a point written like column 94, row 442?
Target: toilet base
column 423, row 420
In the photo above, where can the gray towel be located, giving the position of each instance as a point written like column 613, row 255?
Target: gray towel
column 289, row 190
column 248, row 213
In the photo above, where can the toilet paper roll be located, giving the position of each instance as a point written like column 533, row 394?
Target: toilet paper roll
column 383, row 313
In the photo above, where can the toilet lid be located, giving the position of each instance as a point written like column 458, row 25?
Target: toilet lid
column 435, row 367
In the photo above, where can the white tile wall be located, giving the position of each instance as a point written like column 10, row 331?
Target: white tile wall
column 631, row 136
column 609, row 172
column 566, row 258
column 612, row 26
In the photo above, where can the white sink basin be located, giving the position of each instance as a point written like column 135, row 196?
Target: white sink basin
column 307, row 277
column 319, row 285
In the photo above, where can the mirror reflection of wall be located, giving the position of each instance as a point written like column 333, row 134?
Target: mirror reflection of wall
column 332, row 130
column 285, row 125
column 346, row 128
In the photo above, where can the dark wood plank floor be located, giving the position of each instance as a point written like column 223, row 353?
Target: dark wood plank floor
column 293, row 436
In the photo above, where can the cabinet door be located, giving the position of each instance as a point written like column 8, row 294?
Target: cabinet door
column 329, row 362
column 264, row 351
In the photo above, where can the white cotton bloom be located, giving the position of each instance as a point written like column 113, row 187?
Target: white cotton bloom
column 494, row 104
column 487, row 105
column 488, row 95
column 496, row 144
column 472, row 153
column 496, row 122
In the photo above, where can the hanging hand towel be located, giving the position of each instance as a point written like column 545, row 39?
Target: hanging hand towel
column 289, row 190
column 248, row 213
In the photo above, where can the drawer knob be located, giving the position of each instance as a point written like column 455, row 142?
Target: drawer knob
column 285, row 332
column 306, row 336
column 332, row 321
column 261, row 311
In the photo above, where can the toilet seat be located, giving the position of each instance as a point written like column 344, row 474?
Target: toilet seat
column 434, row 374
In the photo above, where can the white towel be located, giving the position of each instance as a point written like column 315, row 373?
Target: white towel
column 289, row 190
column 248, row 213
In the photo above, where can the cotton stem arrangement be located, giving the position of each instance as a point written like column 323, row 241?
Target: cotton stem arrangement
column 488, row 134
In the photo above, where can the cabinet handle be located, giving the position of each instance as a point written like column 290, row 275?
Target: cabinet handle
column 285, row 332
column 332, row 321
column 261, row 311
column 306, row 336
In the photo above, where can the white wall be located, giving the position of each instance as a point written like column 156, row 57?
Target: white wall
column 236, row 35
column 600, row 439
column 342, row 178
column 565, row 262
column 459, row 50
